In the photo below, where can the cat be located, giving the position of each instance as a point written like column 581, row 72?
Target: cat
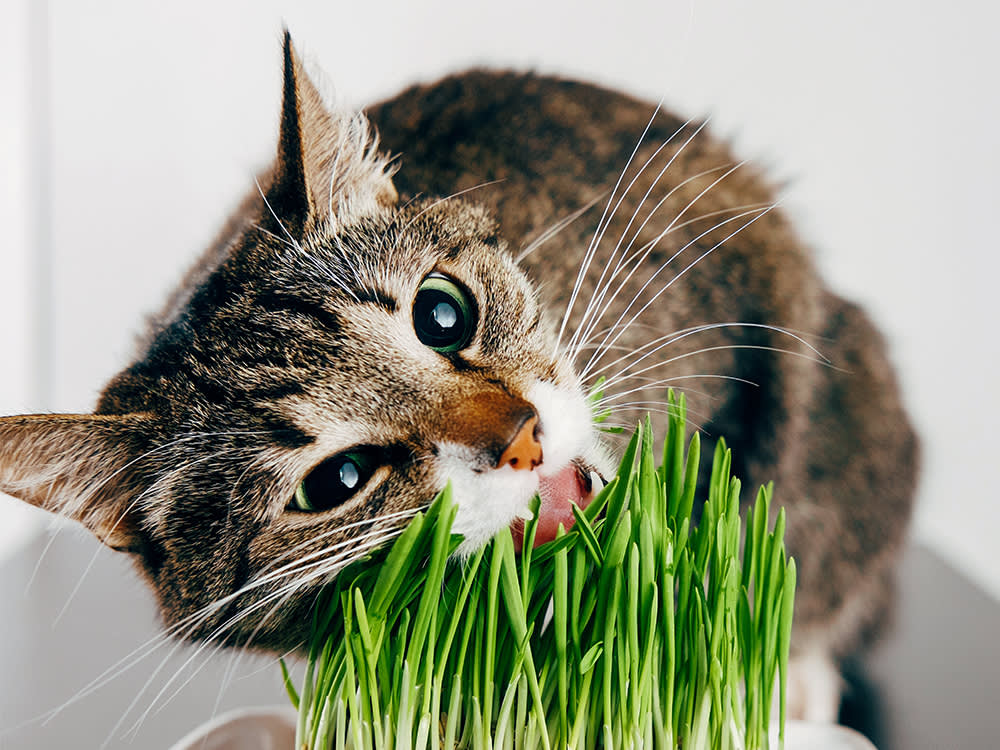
column 429, row 291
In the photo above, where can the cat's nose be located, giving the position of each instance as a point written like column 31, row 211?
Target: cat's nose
column 497, row 427
column 524, row 451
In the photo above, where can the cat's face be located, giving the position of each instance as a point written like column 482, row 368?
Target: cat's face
column 348, row 358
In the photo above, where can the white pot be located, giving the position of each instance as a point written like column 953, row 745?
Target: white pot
column 805, row 735
column 274, row 729
column 266, row 728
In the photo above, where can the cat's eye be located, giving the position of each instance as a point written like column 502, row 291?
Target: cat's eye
column 336, row 480
column 444, row 314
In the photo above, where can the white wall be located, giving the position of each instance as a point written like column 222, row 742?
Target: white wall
column 18, row 272
column 882, row 114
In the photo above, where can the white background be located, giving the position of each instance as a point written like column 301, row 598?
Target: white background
column 124, row 143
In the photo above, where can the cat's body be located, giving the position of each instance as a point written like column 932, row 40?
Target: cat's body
column 307, row 335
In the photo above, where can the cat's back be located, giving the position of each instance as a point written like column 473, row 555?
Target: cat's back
column 678, row 227
column 503, row 125
column 530, row 146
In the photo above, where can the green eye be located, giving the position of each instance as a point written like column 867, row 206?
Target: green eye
column 444, row 314
column 335, row 481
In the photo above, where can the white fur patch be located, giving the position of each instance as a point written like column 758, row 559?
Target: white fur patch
column 487, row 501
column 566, row 422
column 491, row 500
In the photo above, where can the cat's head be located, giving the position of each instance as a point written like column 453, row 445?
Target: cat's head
column 349, row 356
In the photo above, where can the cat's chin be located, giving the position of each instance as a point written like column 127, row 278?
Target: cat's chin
column 503, row 497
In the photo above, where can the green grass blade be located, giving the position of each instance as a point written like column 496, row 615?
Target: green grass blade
column 662, row 633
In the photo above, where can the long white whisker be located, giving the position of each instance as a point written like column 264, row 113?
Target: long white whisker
column 128, row 661
column 619, row 326
column 719, row 348
column 653, row 382
column 678, row 276
column 558, row 227
column 398, row 515
column 603, row 285
column 610, row 401
column 325, row 568
column 655, row 345
column 656, row 240
column 605, row 222
column 656, row 407
column 605, row 218
column 636, row 259
column 188, row 624
column 747, row 209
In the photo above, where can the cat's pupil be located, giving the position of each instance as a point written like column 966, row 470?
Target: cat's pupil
column 444, row 314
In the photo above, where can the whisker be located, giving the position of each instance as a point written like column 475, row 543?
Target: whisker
column 643, row 252
column 657, row 344
column 439, row 201
column 656, row 240
column 234, row 619
column 727, row 347
column 651, row 383
column 602, row 286
column 605, row 217
column 657, row 407
column 325, row 568
column 398, row 515
column 678, row 276
column 558, row 227
column 181, row 629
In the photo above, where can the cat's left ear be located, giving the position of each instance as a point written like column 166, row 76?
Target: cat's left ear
column 80, row 466
column 328, row 165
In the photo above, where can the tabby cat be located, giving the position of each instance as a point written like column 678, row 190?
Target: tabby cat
column 367, row 327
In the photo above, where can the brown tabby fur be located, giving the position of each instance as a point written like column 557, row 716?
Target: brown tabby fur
column 291, row 341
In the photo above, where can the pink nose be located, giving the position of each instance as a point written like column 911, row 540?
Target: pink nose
column 524, row 451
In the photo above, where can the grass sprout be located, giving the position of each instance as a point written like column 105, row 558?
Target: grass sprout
column 637, row 628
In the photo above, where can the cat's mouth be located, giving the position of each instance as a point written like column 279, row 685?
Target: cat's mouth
column 574, row 484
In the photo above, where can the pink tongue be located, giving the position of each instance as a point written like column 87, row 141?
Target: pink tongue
column 558, row 493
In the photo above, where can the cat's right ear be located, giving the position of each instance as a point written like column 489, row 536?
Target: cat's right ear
column 328, row 166
column 82, row 467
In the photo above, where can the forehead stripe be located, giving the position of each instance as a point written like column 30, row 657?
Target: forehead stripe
column 285, row 433
column 278, row 302
column 276, row 390
column 380, row 298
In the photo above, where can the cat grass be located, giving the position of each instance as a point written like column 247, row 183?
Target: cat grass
column 635, row 629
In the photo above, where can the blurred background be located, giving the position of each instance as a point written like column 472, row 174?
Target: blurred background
column 127, row 131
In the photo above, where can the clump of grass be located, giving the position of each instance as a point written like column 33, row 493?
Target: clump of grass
column 635, row 629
